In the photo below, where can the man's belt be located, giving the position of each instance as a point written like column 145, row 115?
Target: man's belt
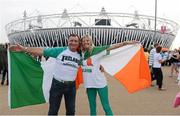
column 66, row 82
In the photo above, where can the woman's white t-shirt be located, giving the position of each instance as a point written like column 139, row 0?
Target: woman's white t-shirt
column 92, row 75
column 157, row 59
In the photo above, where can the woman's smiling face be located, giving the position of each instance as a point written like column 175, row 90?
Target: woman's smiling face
column 86, row 43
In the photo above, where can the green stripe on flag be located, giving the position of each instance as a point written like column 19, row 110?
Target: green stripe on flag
column 26, row 80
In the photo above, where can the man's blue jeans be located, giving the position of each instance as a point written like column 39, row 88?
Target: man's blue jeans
column 58, row 89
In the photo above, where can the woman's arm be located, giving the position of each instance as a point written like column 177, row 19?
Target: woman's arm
column 177, row 56
column 32, row 50
column 118, row 45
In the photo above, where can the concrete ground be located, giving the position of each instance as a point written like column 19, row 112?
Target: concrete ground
column 146, row 102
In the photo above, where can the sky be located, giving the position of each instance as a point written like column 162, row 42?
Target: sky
column 13, row 9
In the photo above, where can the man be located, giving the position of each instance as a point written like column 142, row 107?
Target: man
column 64, row 74
column 4, row 64
column 1, row 63
column 151, row 59
column 158, row 60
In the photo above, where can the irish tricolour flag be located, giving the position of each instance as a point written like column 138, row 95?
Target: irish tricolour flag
column 30, row 80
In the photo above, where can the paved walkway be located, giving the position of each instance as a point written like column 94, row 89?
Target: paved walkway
column 146, row 102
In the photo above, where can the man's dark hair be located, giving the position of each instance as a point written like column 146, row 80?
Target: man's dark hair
column 158, row 49
column 156, row 44
column 73, row 35
column 145, row 50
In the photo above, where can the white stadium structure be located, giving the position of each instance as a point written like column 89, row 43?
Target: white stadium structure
column 104, row 27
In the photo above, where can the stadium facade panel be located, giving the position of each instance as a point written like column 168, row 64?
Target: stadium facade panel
column 105, row 28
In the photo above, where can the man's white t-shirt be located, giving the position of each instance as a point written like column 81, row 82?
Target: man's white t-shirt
column 66, row 63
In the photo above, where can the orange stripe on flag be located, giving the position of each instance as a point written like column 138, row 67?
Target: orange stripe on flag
column 135, row 75
column 79, row 77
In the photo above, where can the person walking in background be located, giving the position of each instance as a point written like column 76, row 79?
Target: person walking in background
column 157, row 61
column 174, row 62
column 177, row 64
column 151, row 61
column 4, row 61
column 1, row 62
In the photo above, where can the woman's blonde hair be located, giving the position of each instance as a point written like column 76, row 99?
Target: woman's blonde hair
column 92, row 44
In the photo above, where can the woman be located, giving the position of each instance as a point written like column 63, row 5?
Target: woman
column 174, row 62
column 94, row 79
column 178, row 64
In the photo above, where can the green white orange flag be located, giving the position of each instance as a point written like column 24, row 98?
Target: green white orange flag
column 30, row 80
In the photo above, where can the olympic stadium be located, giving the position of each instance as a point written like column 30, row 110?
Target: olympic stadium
column 105, row 28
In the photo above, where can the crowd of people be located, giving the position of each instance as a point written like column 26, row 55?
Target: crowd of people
column 158, row 57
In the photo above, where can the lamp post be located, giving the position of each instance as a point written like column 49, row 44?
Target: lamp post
column 24, row 17
column 155, row 23
column 155, row 19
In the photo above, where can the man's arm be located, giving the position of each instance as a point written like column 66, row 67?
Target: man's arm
column 32, row 50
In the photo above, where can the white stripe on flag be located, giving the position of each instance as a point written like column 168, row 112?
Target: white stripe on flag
column 47, row 67
column 118, row 58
